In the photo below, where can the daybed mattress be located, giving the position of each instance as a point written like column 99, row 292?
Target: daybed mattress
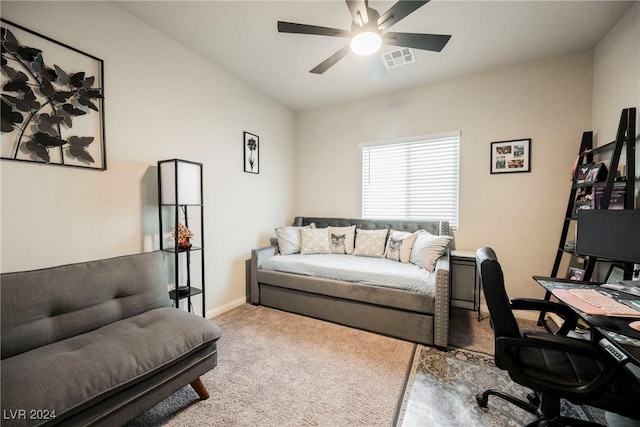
column 371, row 271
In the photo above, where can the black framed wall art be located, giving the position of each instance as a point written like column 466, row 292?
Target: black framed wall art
column 511, row 156
column 251, row 153
column 52, row 101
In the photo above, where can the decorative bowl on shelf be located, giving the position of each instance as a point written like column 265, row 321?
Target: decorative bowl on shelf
column 184, row 237
column 184, row 244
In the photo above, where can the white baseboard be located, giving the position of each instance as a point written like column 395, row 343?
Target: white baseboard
column 226, row 307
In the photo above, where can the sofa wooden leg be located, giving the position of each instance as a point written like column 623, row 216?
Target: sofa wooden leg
column 200, row 389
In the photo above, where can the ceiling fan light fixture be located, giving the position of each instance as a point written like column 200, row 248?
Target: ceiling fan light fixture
column 366, row 43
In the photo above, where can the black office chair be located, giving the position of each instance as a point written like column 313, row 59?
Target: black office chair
column 554, row 366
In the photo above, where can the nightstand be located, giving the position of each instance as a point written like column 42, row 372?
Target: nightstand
column 465, row 281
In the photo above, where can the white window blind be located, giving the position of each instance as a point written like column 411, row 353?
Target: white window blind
column 414, row 179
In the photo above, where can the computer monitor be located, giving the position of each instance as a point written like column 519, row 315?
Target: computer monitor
column 610, row 234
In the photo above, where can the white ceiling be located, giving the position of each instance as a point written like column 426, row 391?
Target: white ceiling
column 242, row 38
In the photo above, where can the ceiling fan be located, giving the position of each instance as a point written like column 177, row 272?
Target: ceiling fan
column 369, row 31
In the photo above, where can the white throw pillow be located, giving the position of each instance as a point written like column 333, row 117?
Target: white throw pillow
column 314, row 241
column 342, row 239
column 399, row 245
column 289, row 239
column 427, row 249
column 370, row 243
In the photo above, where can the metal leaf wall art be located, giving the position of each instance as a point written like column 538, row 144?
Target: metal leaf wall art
column 52, row 112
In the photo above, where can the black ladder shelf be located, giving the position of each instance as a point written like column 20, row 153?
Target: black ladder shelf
column 625, row 137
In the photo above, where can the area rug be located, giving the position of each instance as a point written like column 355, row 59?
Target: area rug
column 281, row 369
column 443, row 385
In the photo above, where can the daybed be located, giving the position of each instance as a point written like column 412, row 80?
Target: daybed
column 415, row 311
column 97, row 343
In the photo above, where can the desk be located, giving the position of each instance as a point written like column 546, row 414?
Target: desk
column 615, row 329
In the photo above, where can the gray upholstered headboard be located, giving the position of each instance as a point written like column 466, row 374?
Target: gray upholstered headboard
column 436, row 227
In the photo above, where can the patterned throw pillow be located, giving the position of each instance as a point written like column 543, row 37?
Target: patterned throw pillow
column 342, row 239
column 314, row 241
column 289, row 239
column 399, row 245
column 370, row 243
column 427, row 249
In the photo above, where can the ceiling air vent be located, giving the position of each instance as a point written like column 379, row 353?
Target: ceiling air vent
column 398, row 57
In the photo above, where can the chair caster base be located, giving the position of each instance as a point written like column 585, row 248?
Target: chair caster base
column 533, row 398
column 483, row 401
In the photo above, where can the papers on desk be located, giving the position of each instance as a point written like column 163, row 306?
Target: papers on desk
column 610, row 307
column 626, row 286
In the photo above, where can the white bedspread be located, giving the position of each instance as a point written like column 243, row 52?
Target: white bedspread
column 350, row 268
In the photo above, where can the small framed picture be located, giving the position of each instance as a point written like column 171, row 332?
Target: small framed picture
column 575, row 273
column 615, row 274
column 581, row 173
column 511, row 156
column 590, row 174
column 251, row 153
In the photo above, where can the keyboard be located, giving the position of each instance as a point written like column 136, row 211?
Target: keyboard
column 607, row 304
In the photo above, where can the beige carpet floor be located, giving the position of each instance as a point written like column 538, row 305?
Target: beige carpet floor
column 281, row 369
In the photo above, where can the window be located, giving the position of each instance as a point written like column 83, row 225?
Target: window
column 416, row 178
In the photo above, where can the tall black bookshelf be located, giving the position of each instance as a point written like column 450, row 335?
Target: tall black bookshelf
column 611, row 185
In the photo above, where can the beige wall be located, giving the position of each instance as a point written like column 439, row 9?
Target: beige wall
column 616, row 75
column 162, row 101
column 519, row 215
column 616, row 79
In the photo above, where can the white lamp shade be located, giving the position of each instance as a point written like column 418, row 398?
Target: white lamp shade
column 187, row 186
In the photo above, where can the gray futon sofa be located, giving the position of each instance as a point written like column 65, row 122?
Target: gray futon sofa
column 97, row 343
column 412, row 316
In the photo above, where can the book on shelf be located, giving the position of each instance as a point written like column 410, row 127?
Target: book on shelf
column 617, row 200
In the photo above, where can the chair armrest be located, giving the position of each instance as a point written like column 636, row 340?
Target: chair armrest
column 566, row 344
column 258, row 256
column 570, row 317
column 507, row 352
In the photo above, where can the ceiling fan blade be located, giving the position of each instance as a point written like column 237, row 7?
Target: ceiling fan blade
column 377, row 70
column 433, row 42
column 291, row 27
column 358, row 6
column 331, row 61
column 398, row 11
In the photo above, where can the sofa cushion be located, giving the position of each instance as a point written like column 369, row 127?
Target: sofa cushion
column 343, row 239
column 314, row 241
column 370, row 243
column 40, row 307
column 70, row 375
column 347, row 268
column 427, row 249
column 289, row 239
column 399, row 245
